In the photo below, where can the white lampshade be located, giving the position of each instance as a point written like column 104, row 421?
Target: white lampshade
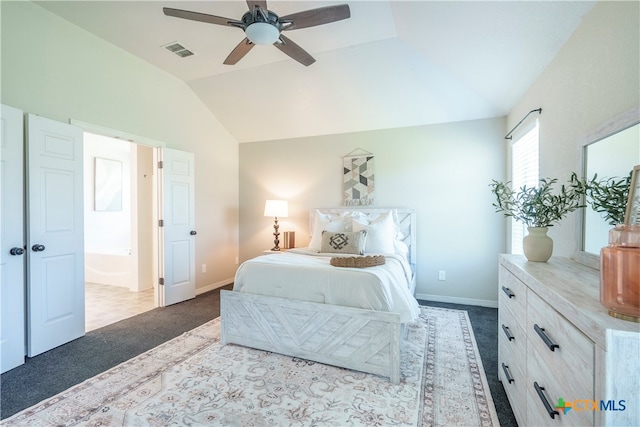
column 276, row 208
column 262, row 33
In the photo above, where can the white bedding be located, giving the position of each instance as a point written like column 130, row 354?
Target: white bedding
column 307, row 275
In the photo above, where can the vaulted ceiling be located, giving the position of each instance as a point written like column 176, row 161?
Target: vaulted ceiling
column 391, row 64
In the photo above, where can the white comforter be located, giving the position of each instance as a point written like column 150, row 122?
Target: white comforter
column 308, row 276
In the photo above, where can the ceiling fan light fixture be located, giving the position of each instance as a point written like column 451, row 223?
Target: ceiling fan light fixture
column 262, row 33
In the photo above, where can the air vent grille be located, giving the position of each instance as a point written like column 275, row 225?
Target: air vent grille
column 184, row 53
column 178, row 49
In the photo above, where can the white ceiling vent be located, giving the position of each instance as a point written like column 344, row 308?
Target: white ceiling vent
column 178, row 49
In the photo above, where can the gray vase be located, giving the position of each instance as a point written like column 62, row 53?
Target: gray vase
column 537, row 246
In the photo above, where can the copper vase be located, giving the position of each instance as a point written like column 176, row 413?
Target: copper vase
column 620, row 273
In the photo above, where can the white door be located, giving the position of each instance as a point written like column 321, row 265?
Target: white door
column 55, row 245
column 12, row 260
column 177, row 235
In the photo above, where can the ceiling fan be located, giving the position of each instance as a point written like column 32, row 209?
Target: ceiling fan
column 262, row 26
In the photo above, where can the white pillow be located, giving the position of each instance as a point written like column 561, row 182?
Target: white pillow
column 343, row 242
column 381, row 233
column 325, row 222
column 400, row 247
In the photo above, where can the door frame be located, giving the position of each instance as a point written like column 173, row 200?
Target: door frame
column 154, row 144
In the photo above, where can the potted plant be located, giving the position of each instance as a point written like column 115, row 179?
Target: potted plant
column 538, row 208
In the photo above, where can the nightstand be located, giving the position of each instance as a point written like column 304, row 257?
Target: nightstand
column 269, row 251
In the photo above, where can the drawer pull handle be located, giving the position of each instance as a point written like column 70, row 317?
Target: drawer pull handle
column 547, row 341
column 552, row 412
column 508, row 292
column 507, row 332
column 505, row 368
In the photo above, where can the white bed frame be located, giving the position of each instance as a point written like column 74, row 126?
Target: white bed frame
column 353, row 338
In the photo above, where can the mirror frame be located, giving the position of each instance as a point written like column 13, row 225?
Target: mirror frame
column 610, row 127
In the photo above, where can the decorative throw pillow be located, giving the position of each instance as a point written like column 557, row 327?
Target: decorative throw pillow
column 343, row 242
column 381, row 233
column 325, row 222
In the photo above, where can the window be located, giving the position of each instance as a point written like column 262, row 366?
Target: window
column 524, row 171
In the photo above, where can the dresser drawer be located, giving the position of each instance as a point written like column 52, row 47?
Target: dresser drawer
column 511, row 372
column 552, row 388
column 512, row 336
column 512, row 295
column 567, row 352
column 589, row 361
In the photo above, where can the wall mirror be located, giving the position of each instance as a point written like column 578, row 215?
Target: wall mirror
column 610, row 151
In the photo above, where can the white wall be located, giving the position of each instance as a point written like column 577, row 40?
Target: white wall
column 105, row 231
column 55, row 69
column 119, row 244
column 592, row 79
column 442, row 171
column 146, row 227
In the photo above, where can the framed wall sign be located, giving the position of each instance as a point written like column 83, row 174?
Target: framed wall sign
column 632, row 215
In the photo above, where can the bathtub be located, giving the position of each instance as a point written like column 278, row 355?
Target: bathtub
column 115, row 267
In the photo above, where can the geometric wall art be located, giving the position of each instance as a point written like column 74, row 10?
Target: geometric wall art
column 358, row 182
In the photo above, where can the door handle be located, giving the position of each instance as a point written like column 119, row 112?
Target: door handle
column 550, row 410
column 507, row 332
column 193, row 232
column 16, row 251
column 505, row 368
column 547, row 341
column 37, row 248
column 508, row 291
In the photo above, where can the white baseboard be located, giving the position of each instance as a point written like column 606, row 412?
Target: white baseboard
column 214, row 286
column 457, row 300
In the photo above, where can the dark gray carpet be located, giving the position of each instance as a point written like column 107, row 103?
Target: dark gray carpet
column 56, row 370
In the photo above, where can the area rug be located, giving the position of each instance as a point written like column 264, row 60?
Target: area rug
column 194, row 380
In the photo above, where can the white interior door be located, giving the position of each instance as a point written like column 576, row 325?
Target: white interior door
column 177, row 236
column 12, row 260
column 55, row 265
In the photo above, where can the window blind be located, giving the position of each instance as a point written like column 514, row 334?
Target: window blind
column 524, row 171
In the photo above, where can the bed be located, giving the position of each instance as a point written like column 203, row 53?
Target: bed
column 297, row 304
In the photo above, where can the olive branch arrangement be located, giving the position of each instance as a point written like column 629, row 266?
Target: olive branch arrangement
column 537, row 206
column 606, row 196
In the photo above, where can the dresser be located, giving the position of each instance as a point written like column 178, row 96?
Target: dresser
column 561, row 358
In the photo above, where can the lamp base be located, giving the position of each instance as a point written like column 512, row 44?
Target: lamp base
column 276, row 242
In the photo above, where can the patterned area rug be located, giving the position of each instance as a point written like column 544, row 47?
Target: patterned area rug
column 194, row 380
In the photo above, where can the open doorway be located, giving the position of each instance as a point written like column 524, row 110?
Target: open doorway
column 118, row 229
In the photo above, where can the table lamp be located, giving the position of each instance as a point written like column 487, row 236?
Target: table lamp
column 276, row 208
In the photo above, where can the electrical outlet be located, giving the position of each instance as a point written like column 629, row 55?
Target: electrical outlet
column 442, row 275
column 237, row 261
column 204, row 268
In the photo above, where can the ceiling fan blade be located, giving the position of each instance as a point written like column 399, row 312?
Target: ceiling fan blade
column 253, row 3
column 294, row 51
column 313, row 17
column 201, row 17
column 239, row 52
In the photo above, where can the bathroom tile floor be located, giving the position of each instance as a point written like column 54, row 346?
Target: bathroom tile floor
column 105, row 304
